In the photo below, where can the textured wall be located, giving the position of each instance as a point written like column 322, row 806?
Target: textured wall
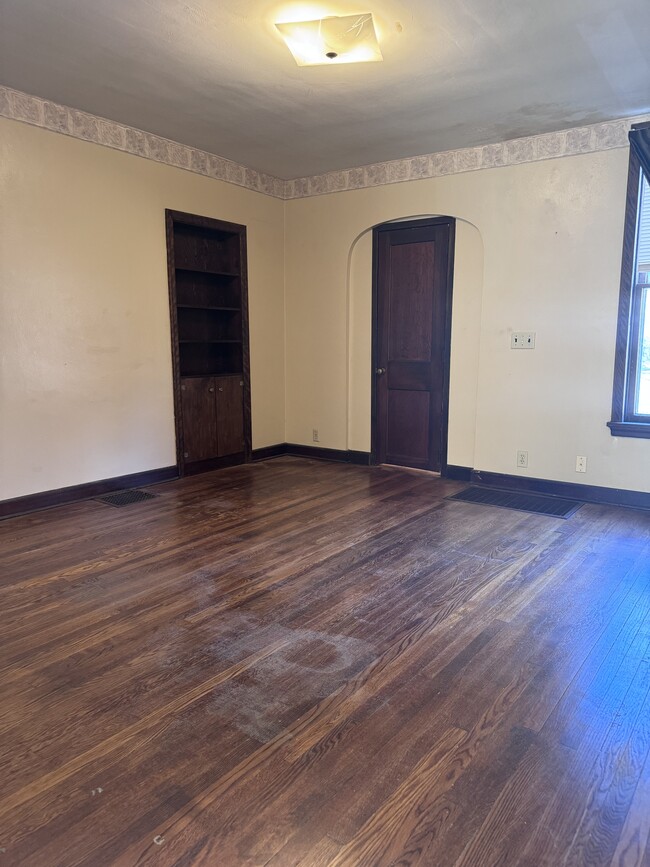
column 86, row 388
column 539, row 250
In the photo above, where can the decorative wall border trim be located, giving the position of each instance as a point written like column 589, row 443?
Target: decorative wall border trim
column 569, row 142
column 16, row 105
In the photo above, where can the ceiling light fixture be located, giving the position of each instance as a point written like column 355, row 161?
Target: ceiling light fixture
column 344, row 39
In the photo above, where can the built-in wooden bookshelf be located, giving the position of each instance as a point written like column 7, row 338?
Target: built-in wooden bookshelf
column 209, row 318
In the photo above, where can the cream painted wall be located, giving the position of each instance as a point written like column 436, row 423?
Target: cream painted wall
column 85, row 378
column 539, row 249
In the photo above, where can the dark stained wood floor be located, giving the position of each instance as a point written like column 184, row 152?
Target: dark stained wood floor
column 297, row 662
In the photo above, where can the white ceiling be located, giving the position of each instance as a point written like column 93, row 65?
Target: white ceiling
column 214, row 73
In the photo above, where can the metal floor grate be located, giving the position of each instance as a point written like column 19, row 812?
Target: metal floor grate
column 125, row 498
column 538, row 504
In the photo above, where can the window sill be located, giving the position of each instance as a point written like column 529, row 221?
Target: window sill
column 629, row 429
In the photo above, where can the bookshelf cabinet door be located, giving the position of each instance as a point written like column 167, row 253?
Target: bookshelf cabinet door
column 200, row 440
column 230, row 414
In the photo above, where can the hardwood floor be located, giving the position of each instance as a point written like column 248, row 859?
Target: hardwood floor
column 295, row 662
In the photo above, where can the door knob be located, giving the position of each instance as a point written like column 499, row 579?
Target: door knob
column 380, row 370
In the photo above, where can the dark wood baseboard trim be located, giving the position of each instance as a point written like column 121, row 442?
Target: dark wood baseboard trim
column 268, row 452
column 214, row 464
column 587, row 493
column 60, row 496
column 320, row 454
column 345, row 456
column 458, row 474
column 362, row 459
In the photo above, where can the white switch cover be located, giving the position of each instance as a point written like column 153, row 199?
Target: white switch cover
column 522, row 340
column 581, row 464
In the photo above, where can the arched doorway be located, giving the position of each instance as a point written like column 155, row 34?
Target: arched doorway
column 465, row 341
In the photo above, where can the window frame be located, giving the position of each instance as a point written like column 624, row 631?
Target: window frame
column 625, row 422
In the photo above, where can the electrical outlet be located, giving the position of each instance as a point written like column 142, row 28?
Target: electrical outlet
column 522, row 340
column 314, row 435
column 522, row 459
column 581, row 464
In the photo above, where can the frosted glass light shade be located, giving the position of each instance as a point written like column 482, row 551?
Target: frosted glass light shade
column 346, row 39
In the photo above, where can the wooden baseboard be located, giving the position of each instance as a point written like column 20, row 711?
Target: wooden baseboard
column 345, row 456
column 459, row 474
column 362, row 459
column 48, row 499
column 318, row 453
column 268, row 452
column 192, row 469
column 587, row 493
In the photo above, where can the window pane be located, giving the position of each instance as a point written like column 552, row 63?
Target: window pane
column 643, row 380
column 643, row 237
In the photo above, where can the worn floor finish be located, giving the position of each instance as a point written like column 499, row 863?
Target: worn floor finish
column 305, row 663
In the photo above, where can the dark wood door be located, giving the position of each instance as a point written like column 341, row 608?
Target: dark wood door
column 230, row 414
column 412, row 295
column 198, row 406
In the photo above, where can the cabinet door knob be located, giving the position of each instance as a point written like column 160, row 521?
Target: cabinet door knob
column 212, row 389
column 221, row 389
column 241, row 382
column 380, row 371
column 186, row 454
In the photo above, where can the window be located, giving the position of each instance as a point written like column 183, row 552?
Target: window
column 631, row 400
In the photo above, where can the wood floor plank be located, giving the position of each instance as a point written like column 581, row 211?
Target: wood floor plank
column 306, row 663
column 634, row 839
column 403, row 828
column 588, row 774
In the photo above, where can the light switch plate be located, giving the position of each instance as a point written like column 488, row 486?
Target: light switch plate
column 522, row 340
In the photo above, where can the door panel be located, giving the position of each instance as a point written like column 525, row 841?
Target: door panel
column 199, row 418
column 407, row 439
column 415, row 375
column 410, row 301
column 411, row 342
column 230, row 414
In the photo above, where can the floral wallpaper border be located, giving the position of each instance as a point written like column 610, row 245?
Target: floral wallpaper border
column 79, row 124
column 579, row 140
